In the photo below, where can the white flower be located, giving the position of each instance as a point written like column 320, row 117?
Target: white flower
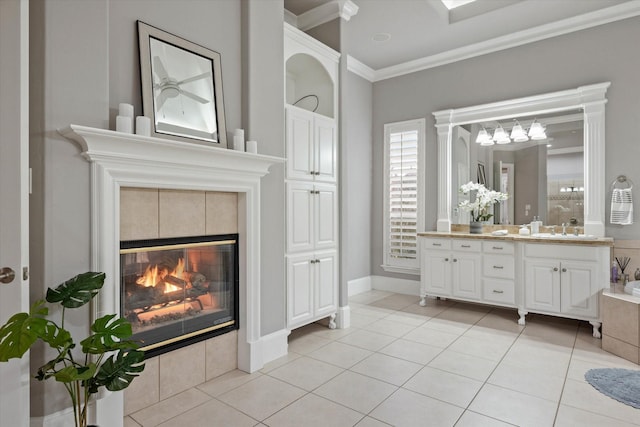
column 484, row 198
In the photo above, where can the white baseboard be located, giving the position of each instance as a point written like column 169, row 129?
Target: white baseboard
column 358, row 286
column 274, row 345
column 399, row 286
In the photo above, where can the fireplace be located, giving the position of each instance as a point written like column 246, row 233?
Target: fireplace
column 178, row 291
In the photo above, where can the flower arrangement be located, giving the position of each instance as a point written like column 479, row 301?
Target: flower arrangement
column 484, row 199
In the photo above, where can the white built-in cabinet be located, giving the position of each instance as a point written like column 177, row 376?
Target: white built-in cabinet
column 556, row 279
column 311, row 181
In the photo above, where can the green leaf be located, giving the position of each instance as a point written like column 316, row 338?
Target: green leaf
column 22, row 330
column 109, row 335
column 78, row 290
column 116, row 373
column 75, row 373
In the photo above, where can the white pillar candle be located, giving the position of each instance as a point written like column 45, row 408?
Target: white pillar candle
column 239, row 132
column 143, row 125
column 124, row 124
column 238, row 143
column 252, row 147
column 125, row 110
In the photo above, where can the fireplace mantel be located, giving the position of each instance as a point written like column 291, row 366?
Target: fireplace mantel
column 125, row 160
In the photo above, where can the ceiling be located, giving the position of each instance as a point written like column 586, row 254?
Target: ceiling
column 422, row 30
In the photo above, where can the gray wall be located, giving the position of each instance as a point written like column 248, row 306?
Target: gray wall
column 84, row 62
column 604, row 53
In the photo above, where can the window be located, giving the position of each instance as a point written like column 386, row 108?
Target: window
column 403, row 192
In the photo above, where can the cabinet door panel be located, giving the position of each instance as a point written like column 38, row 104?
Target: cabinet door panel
column 299, row 289
column 436, row 272
column 326, row 149
column 542, row 283
column 300, row 151
column 326, row 213
column 326, row 280
column 300, row 205
column 466, row 275
column 579, row 293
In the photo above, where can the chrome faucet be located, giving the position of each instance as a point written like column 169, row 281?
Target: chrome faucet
column 553, row 230
column 564, row 229
column 576, row 231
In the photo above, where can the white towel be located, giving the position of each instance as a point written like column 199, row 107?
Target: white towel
column 621, row 206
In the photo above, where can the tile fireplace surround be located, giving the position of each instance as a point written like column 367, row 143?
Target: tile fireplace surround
column 124, row 161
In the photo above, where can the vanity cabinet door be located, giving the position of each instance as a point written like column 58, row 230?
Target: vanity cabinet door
column 578, row 287
column 300, row 144
column 542, row 285
column 300, row 289
column 436, row 273
column 300, row 216
column 325, row 149
column 465, row 275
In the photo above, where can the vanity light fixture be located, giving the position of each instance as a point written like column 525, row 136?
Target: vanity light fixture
column 500, row 136
column 537, row 131
column 518, row 134
column 483, row 137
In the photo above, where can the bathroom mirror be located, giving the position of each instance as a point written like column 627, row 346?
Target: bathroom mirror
column 587, row 102
column 181, row 88
column 544, row 177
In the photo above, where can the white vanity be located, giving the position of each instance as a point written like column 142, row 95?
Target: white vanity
column 560, row 277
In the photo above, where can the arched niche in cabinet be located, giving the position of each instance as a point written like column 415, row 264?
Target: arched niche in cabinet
column 309, row 85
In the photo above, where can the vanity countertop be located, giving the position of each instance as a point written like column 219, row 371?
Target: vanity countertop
column 596, row 241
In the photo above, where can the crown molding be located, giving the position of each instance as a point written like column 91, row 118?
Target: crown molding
column 344, row 9
column 360, row 69
column 588, row 20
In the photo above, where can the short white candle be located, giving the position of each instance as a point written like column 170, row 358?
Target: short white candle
column 252, row 147
column 124, row 124
column 143, row 125
column 238, row 143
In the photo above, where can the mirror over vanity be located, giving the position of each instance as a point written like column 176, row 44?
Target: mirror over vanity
column 556, row 175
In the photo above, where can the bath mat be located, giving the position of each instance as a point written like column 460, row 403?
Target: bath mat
column 622, row 385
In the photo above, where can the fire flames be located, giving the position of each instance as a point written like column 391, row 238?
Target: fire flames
column 155, row 275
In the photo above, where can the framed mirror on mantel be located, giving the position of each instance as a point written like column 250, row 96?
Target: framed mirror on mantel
column 575, row 123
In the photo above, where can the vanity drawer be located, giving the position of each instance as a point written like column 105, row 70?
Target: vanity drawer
column 466, row 245
column 498, row 247
column 500, row 266
column 499, row 291
column 436, row 244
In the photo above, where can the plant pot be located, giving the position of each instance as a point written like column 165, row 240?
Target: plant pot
column 475, row 227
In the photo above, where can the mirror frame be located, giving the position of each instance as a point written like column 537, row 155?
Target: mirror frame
column 590, row 99
column 147, row 32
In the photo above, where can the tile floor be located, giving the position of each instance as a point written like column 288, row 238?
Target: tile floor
column 446, row 364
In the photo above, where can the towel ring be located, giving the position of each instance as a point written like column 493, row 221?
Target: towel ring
column 622, row 180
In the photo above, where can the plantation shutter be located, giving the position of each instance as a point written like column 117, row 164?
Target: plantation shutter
column 403, row 195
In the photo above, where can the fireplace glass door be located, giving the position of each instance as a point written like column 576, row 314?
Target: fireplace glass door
column 179, row 291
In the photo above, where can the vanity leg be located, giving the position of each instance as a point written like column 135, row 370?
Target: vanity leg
column 522, row 313
column 332, row 321
column 423, row 301
column 596, row 329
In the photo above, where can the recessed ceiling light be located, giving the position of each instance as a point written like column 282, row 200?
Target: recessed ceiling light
column 381, row 37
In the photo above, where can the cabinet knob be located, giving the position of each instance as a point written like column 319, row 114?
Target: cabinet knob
column 564, row 270
column 465, row 246
column 555, row 268
column 498, row 267
column 495, row 291
column 446, row 259
column 437, row 244
column 455, row 260
column 497, row 248
column 313, row 261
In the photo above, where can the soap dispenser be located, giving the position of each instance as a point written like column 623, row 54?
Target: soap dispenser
column 524, row 231
column 535, row 225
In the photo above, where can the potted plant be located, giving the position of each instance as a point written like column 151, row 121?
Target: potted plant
column 479, row 208
column 109, row 360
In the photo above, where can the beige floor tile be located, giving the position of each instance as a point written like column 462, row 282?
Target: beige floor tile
column 332, row 334
column 465, row 313
column 386, row 368
column 463, row 364
column 409, row 409
column 275, row 364
column 513, row 407
column 492, row 334
column 407, row 318
column 445, row 386
column 360, row 320
column 412, row 351
column 533, row 382
column 307, row 343
column 449, row 326
column 262, row 397
column 170, row 408
column 358, row 392
column 571, row 417
column 367, row 340
column 368, row 297
column 431, row 337
column 582, row 395
column 473, row 419
column 430, row 310
column 306, row 373
column 539, row 358
column 551, row 332
column 373, row 311
column 388, row 327
column 340, row 354
column 227, row 382
column 396, row 301
column 485, row 348
column 211, row 413
column 129, row 422
column 371, row 422
column 314, row 411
